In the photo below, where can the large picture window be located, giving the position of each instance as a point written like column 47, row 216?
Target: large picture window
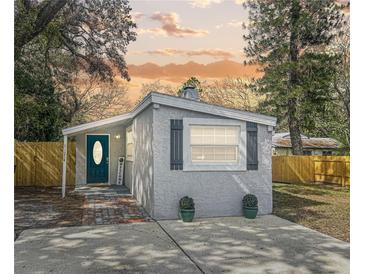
column 214, row 144
column 129, row 144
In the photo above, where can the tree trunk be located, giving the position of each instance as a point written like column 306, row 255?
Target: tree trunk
column 294, row 126
column 47, row 11
column 296, row 140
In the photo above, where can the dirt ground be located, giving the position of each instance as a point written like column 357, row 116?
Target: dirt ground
column 325, row 208
column 45, row 208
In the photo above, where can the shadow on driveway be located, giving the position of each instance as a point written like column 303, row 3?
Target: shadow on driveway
column 267, row 244
column 125, row 248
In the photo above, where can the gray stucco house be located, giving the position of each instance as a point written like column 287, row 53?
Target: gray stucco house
column 177, row 146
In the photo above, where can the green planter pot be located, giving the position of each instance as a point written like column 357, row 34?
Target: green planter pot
column 250, row 212
column 187, row 215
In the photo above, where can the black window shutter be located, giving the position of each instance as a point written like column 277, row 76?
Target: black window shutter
column 252, row 161
column 176, row 147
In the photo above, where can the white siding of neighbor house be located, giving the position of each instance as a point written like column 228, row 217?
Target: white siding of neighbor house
column 116, row 149
column 215, row 193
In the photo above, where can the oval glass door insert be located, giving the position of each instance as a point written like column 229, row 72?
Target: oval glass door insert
column 97, row 152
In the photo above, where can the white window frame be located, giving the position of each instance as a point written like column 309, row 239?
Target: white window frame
column 189, row 165
column 129, row 158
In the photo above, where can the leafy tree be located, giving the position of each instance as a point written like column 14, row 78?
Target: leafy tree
column 85, row 99
column 191, row 82
column 288, row 38
column 37, row 109
column 94, row 33
column 55, row 40
column 156, row 86
column 334, row 121
column 230, row 92
column 342, row 88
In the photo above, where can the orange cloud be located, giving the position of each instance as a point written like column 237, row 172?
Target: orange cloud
column 170, row 27
column 153, row 31
column 215, row 53
column 179, row 72
column 232, row 23
column 137, row 15
column 203, row 3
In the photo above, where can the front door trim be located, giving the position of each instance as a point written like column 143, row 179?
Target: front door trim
column 87, row 134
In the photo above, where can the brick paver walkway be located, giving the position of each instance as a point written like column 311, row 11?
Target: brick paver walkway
column 112, row 208
column 45, row 208
column 37, row 207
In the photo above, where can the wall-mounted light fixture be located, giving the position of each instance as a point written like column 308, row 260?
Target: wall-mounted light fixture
column 117, row 136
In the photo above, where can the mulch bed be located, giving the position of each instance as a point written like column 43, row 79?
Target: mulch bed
column 44, row 208
column 325, row 208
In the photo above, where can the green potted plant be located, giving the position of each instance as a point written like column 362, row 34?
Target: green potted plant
column 250, row 207
column 187, row 209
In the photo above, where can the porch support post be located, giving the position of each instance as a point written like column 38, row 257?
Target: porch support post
column 64, row 168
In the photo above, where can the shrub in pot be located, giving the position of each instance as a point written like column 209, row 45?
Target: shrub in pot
column 250, row 207
column 187, row 209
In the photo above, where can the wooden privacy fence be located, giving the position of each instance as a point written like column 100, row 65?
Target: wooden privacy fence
column 40, row 163
column 307, row 169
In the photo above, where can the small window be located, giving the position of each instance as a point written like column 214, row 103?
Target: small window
column 97, row 152
column 307, row 152
column 129, row 144
column 327, row 153
column 214, row 144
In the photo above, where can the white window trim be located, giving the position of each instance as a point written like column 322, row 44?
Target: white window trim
column 130, row 128
column 196, row 166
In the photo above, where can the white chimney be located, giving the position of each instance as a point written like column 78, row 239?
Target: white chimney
column 190, row 92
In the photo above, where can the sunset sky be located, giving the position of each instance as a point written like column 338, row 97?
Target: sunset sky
column 180, row 31
column 180, row 39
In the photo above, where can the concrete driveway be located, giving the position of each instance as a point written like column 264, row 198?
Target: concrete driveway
column 267, row 244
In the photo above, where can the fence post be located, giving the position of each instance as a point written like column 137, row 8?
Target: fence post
column 343, row 173
column 64, row 167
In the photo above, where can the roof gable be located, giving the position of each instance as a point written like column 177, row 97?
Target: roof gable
column 177, row 102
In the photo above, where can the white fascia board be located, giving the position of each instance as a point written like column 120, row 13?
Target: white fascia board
column 99, row 123
column 108, row 121
column 176, row 102
column 212, row 109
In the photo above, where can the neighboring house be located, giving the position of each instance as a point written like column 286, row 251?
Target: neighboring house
column 281, row 145
column 180, row 146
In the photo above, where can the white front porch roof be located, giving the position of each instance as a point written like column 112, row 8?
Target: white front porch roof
column 177, row 102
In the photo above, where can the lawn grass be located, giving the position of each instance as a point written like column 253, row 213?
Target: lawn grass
column 325, row 208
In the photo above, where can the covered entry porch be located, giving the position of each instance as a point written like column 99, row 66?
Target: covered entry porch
column 101, row 154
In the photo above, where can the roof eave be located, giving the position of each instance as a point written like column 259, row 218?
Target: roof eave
column 115, row 119
column 162, row 99
column 213, row 109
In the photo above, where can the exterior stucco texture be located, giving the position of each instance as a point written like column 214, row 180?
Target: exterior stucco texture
column 141, row 169
column 159, row 189
column 215, row 193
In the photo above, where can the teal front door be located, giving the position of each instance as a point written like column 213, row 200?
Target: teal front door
column 97, row 156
